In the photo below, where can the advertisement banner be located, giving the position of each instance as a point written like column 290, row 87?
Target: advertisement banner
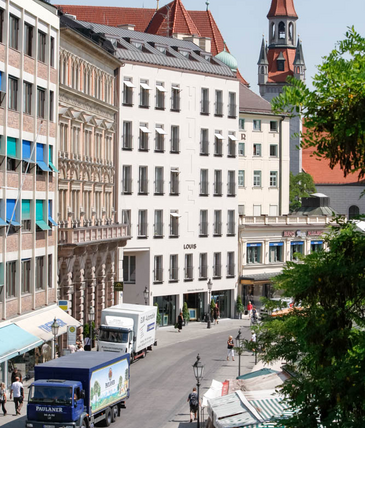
column 109, row 385
column 71, row 335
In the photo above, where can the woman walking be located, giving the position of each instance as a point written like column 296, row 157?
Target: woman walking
column 180, row 320
column 3, row 398
column 230, row 348
column 216, row 313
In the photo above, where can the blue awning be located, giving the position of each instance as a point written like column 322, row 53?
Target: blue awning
column 10, row 213
column 254, row 245
column 43, row 166
column 297, row 243
column 15, row 341
column 50, row 219
column 2, row 222
column 276, row 244
column 317, row 242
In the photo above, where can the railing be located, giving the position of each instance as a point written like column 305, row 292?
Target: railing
column 174, row 274
column 159, row 187
column 231, row 189
column 231, row 269
column 203, row 272
column 217, row 229
column 203, row 229
column 231, row 228
column 127, row 186
column 217, row 271
column 88, row 234
column 218, row 109
column 143, row 187
column 174, row 229
column 174, row 188
column 218, row 188
column 158, row 275
column 204, row 188
column 204, row 148
column 189, row 272
column 142, row 230
column 232, row 110
column 158, row 230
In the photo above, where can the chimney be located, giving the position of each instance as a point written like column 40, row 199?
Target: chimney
column 205, row 44
column 71, row 16
column 129, row 27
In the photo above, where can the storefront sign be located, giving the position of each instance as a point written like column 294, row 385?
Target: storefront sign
column 118, row 286
column 315, row 233
column 300, row 234
column 63, row 304
column 189, row 246
column 288, row 234
column 71, row 335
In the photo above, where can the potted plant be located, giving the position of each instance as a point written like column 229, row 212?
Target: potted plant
column 239, row 307
column 158, row 316
column 212, row 306
column 186, row 315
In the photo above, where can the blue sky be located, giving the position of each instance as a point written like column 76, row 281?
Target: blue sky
column 243, row 22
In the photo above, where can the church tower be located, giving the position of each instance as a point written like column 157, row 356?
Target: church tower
column 281, row 58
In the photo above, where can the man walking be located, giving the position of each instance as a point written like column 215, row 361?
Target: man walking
column 17, row 390
column 16, row 374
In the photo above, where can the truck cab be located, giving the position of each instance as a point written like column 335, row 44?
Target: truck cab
column 56, row 403
column 116, row 335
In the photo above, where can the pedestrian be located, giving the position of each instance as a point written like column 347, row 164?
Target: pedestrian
column 216, row 313
column 249, row 309
column 180, row 320
column 254, row 315
column 16, row 374
column 18, row 391
column 72, row 348
column 3, row 398
column 87, row 344
column 194, row 404
column 79, row 346
column 230, row 348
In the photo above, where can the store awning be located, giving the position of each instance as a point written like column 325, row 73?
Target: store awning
column 271, row 408
column 258, row 278
column 161, row 88
column 43, row 166
column 232, row 137
column 232, row 410
column 161, row 131
column 144, row 129
column 219, row 136
column 15, row 341
column 145, row 86
column 40, row 323
column 129, row 84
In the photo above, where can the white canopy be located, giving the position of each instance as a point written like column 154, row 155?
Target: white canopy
column 146, row 130
column 232, row 137
column 129, row 84
column 175, row 215
column 161, row 88
column 219, row 136
column 145, row 86
column 160, row 131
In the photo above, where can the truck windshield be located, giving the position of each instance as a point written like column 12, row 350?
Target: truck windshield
column 50, row 394
column 113, row 336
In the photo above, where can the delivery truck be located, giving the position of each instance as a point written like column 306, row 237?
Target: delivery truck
column 128, row 328
column 78, row 390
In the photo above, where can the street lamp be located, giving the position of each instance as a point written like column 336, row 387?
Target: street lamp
column 210, row 285
column 198, row 368
column 91, row 320
column 146, row 295
column 55, row 327
column 239, row 351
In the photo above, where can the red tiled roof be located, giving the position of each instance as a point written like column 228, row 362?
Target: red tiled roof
column 282, row 8
column 111, row 16
column 322, row 173
column 171, row 19
column 274, row 74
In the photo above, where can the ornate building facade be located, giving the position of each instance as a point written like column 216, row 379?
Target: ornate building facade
column 89, row 236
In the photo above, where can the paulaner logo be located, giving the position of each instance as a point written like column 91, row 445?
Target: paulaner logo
column 48, row 409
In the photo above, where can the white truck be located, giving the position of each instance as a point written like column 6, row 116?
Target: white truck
column 128, row 328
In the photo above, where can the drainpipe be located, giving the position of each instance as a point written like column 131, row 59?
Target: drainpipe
column 281, row 165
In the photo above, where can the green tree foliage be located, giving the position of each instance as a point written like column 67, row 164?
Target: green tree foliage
column 186, row 314
column 301, row 185
column 239, row 305
column 322, row 340
column 158, row 315
column 334, row 111
column 212, row 305
column 97, row 388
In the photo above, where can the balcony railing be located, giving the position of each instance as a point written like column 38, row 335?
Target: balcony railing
column 231, row 228
column 158, row 230
column 90, row 234
column 174, row 187
column 174, row 229
column 189, row 272
column 127, row 186
column 218, row 109
column 203, row 232
column 143, row 187
column 231, row 189
column 217, row 229
column 231, row 270
column 232, row 110
column 204, row 188
column 203, row 272
column 142, row 230
column 218, row 188
column 158, row 275
column 174, row 274
column 217, row 271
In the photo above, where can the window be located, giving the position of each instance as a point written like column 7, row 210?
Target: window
column 257, row 210
column 39, row 273
column 273, row 150
column 127, row 135
column 253, row 253
column 231, row 223
column 160, row 96
column 160, row 139
column 1, row 25
column 217, row 226
column 158, row 226
column 241, row 210
column 26, row 216
column 143, row 180
column 189, row 270
column 10, row 279
column 204, row 185
column 127, row 179
column 218, row 143
column 230, row 264
column 241, row 149
column 203, row 226
column 241, row 124
column 232, row 144
column 28, row 39
column 129, row 269
column 25, row 281
column 128, row 92
column 280, row 65
column 158, row 269
column 11, row 153
column 296, row 248
column 231, row 184
column 13, row 93
column 175, row 139
column 273, row 179
column 273, row 126
column 27, row 106
column 142, row 223
column 159, row 180
column 273, row 210
column 257, row 149
column 316, row 245
column 13, row 32
column 218, row 103
column 276, row 251
column 174, row 270
column 257, row 178
column 41, row 102
column 281, row 30
column 174, row 224
column 143, row 137
column 51, row 106
column 218, row 186
column 354, row 211
column 204, row 142
column 144, row 101
column 203, row 266
column 232, row 105
column 204, row 110
column 52, row 57
column 217, row 265
column 257, row 125
column 175, row 98
column 241, row 178
column 174, row 182
column 41, row 47
column 126, row 220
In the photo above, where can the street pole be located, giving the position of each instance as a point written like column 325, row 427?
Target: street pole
column 198, row 421
column 208, row 326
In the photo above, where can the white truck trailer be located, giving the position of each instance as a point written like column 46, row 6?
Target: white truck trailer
column 128, row 328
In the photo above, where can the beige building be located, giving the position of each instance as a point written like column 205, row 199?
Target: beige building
column 89, row 235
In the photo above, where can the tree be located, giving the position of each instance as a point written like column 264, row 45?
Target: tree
column 186, row 315
column 158, row 315
column 239, row 306
column 301, row 185
column 334, row 111
column 322, row 340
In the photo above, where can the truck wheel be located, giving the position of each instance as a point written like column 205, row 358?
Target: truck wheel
column 108, row 417
column 114, row 413
column 144, row 353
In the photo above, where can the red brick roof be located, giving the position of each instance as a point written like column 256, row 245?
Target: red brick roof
column 172, row 19
column 282, row 8
column 274, row 74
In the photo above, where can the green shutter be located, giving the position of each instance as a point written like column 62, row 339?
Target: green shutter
column 11, row 150
column 50, row 159
column 26, row 209
column 39, row 216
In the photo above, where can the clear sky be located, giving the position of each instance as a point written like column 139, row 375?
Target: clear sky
column 243, row 22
